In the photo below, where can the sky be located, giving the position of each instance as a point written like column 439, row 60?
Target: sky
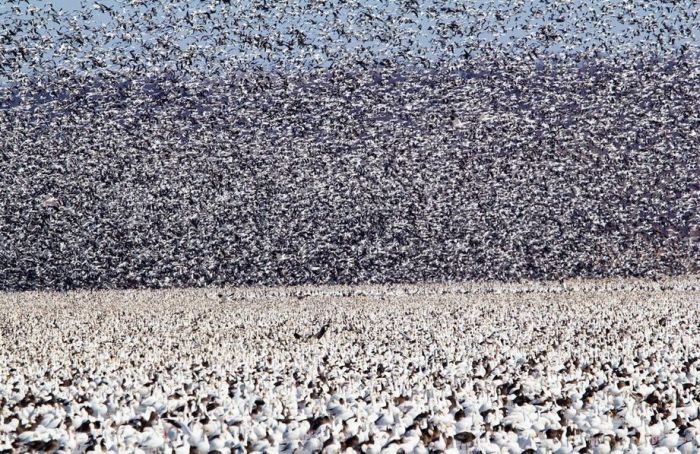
column 585, row 25
column 649, row 10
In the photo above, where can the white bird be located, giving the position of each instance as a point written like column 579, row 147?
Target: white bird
column 51, row 202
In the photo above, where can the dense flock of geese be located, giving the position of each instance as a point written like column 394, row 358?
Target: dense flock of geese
column 179, row 143
column 600, row 366
column 225, row 143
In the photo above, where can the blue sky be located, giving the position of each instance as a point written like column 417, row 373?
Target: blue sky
column 585, row 25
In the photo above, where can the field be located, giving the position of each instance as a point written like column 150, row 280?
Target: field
column 605, row 365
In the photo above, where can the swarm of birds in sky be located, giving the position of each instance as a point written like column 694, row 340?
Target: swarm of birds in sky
column 192, row 143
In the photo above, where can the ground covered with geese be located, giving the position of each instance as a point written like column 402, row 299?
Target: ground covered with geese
column 572, row 366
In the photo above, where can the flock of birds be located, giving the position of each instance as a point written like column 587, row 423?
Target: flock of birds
column 159, row 143
column 179, row 143
column 598, row 366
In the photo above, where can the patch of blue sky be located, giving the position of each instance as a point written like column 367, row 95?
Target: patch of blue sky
column 371, row 29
